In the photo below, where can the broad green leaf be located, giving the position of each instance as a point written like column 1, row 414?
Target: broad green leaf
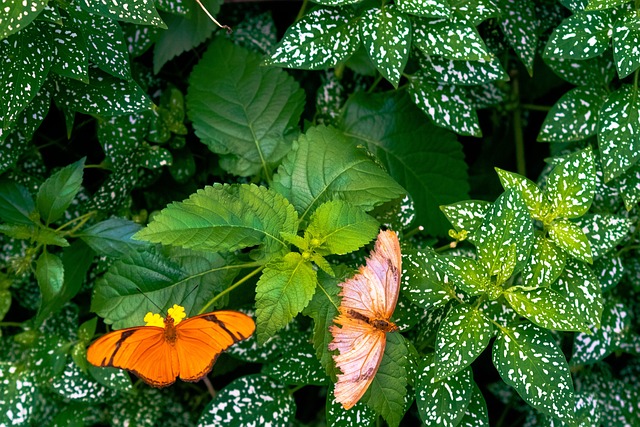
column 604, row 232
column 426, row 8
column 617, row 400
column 386, row 393
column 17, row 15
column 476, row 414
column 323, row 166
column 284, row 289
column 340, row 228
column 468, row 73
column 528, row 359
column 519, row 25
column 72, row 55
column 601, row 341
column 442, row 402
column 423, row 281
column 447, row 105
column 473, row 12
column 58, row 191
column 5, row 302
column 581, row 36
column 468, row 274
column 321, row 39
column 596, row 71
column 604, row 4
column 141, row 408
column 546, row 308
column 533, row 197
column 571, row 184
column 462, row 336
column 629, row 184
column 225, row 217
column 386, row 35
column 247, row 400
column 50, row 275
column 21, row 77
column 360, row 415
column 16, row 203
column 111, row 237
column 134, row 11
column 18, row 396
column 466, row 215
column 507, row 223
column 78, row 386
column 112, row 378
column 248, row 117
column 545, row 265
column 626, row 38
column 140, row 38
column 297, row 368
column 609, row 270
column 451, row 40
column 424, row 159
column 580, row 285
column 575, row 116
column 618, row 127
column 570, row 238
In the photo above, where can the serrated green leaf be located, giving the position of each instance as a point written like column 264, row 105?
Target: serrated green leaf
column 360, row 415
column 604, row 232
column 111, row 237
column 17, row 15
column 528, row 360
column 570, row 238
column 466, row 215
column 340, row 228
column 575, row 116
column 581, row 36
column 426, row 8
column 546, row 308
column 323, row 166
column 537, row 202
column 284, row 289
column 225, row 217
column 447, row 105
column 443, row 402
column 601, row 341
column 300, row 367
column 424, row 159
column 321, row 39
column 462, row 336
column 386, row 35
column 5, row 302
column 626, row 38
column 134, row 11
column 618, row 127
column 451, row 40
column 423, row 281
column 50, row 276
column 571, row 184
column 58, row 191
column 545, row 265
column 247, row 399
column 249, row 118
column 16, row 204
column 468, row 73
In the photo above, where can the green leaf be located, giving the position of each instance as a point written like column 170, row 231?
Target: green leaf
column 529, row 360
column 50, row 275
column 426, row 8
column 604, row 232
column 78, row 386
column 546, row 308
column 17, row 15
column 570, row 238
column 537, row 202
column 72, row 54
column 58, row 191
column 111, row 237
column 360, row 415
column 466, row 215
column 476, row 414
column 467, row 73
column 284, row 289
column 386, row 393
column 617, row 400
column 462, row 336
column 581, row 36
column 581, row 286
column 473, row 12
column 447, row 105
column 5, row 302
column 297, row 368
column 571, row 184
column 134, row 11
column 248, row 117
column 618, row 127
column 626, row 36
column 19, row 394
column 451, row 40
column 248, row 399
column 16, row 204
column 545, row 265
column 519, row 24
column 442, row 402
column 112, row 378
column 575, row 116
column 425, row 159
column 468, row 274
column 609, row 270
column 423, row 281
column 340, row 228
column 386, row 35
column 143, row 408
column 604, row 4
column 225, row 217
column 321, row 39
column 596, row 71
column 629, row 185
column 323, row 166
column 601, row 341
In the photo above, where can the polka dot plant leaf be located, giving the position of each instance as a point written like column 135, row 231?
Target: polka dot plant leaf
column 426, row 8
column 298, row 368
column 581, row 36
column 17, row 14
column 134, row 11
column 519, row 25
column 359, row 415
column 466, row 73
column 451, row 40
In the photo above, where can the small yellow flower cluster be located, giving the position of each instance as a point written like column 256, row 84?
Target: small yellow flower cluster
column 176, row 312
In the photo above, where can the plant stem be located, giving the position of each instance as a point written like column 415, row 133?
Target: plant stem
column 521, row 166
column 296, row 388
column 534, row 107
column 230, row 288
column 16, row 324
column 302, row 10
column 212, row 391
column 81, row 219
column 375, row 83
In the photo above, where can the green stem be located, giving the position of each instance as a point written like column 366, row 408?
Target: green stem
column 16, row 324
column 302, row 10
column 535, row 107
column 375, row 83
column 518, row 136
column 230, row 288
column 296, row 388
column 81, row 221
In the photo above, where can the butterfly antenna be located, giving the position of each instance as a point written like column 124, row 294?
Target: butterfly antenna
column 226, row 27
column 150, row 300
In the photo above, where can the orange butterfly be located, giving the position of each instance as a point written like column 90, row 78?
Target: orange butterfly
column 165, row 349
column 368, row 301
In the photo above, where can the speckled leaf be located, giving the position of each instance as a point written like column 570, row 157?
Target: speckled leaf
column 19, row 393
column 629, row 185
column 462, row 336
column 545, row 265
column 596, row 71
column 604, row 4
column 321, row 39
column 467, row 274
column 134, row 11
column 466, row 215
column 122, row 137
column 248, row 117
column 247, row 400
column 300, row 367
column 537, row 202
column 575, row 116
column 451, row 40
column 604, row 232
column 487, row 95
column 336, row 2
column 571, row 184
column 426, row 8
column 446, row 105
column 174, row 7
column 618, row 129
column 626, row 44
column 360, row 415
column 256, row 32
column 581, row 36
column 18, row 14
column 142, row 408
column 476, row 414
column 285, row 341
column 520, row 27
column 423, row 281
column 443, row 402
column 617, row 400
column 76, row 385
column 528, row 359
column 569, row 237
column 581, row 286
column 469, row 73
column 473, row 11
column 113, row 378
column 546, row 308
column 598, row 343
column 511, row 217
column 609, row 269
column 386, row 35
column 139, row 38
column 72, row 55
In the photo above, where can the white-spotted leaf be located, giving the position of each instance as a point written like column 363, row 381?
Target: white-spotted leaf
column 451, row 40
column 626, row 44
column 537, row 202
column 545, row 265
column 570, row 237
column 134, row 11
column 469, row 73
column 579, row 284
column 601, row 341
column 18, row 14
column 520, row 27
column 604, row 232
column 426, row 8
column 581, row 36
column 546, row 308
column 571, row 184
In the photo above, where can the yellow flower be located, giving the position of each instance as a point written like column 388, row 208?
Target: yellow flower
column 154, row 319
column 178, row 314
